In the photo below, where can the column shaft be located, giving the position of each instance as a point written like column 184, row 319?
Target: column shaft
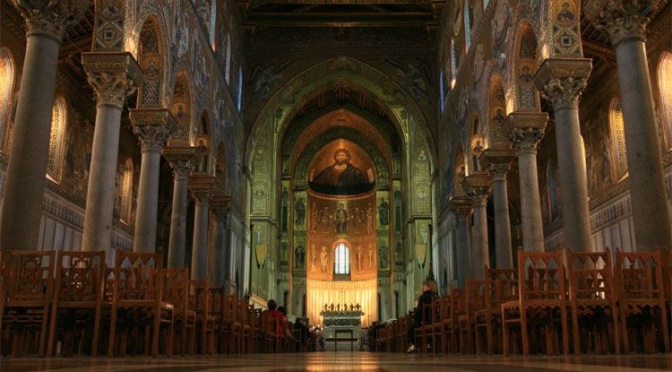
column 463, row 248
column 100, row 194
column 24, row 188
column 573, row 180
column 647, row 184
column 217, row 247
column 503, row 254
column 530, row 203
column 199, row 250
column 480, row 256
column 148, row 198
column 178, row 222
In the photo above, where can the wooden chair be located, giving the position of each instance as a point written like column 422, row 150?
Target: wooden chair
column 423, row 333
column 137, row 305
column 28, row 293
column 199, row 302
column 175, row 291
column 542, row 301
column 448, row 329
column 475, row 301
column 501, row 285
column 232, row 327
column 592, row 297
column 640, row 288
column 78, row 308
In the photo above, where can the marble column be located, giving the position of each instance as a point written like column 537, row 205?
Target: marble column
column 152, row 126
column 201, row 186
column 497, row 161
column 113, row 77
column 217, row 263
column 561, row 82
column 46, row 22
column 462, row 206
column 626, row 21
column 181, row 159
column 480, row 186
column 526, row 129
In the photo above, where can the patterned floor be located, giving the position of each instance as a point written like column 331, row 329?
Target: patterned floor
column 343, row 361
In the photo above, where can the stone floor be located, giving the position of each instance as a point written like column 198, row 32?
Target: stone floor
column 343, row 361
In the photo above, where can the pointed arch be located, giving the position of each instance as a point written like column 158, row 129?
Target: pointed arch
column 182, row 106
column 496, row 110
column 7, row 76
column 617, row 134
column 59, row 117
column 665, row 87
column 342, row 259
column 125, row 193
column 151, row 57
column 524, row 67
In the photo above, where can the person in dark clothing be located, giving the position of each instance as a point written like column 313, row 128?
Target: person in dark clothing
column 429, row 293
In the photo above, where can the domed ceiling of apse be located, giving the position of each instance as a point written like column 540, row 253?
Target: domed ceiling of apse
column 348, row 109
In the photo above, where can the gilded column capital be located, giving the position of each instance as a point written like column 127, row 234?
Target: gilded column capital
column 526, row 129
column 562, row 80
column 181, row 159
column 201, row 186
column 497, row 160
column 623, row 20
column 153, row 127
column 113, row 76
column 51, row 18
column 462, row 206
column 479, row 188
column 220, row 206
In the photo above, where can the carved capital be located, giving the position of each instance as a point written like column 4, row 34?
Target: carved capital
column 113, row 76
column 497, row 161
column 526, row 129
column 479, row 188
column 181, row 159
column 51, row 18
column 201, row 186
column 220, row 206
column 623, row 20
column 153, row 127
column 562, row 80
column 462, row 207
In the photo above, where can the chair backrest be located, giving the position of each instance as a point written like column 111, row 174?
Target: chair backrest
column 136, row 276
column 175, row 287
column 80, row 277
column 590, row 276
column 639, row 275
column 476, row 295
column 199, row 296
column 29, row 279
column 542, row 276
column 502, row 286
column 458, row 301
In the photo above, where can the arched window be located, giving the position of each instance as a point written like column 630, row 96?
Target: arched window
column 213, row 21
column 485, row 4
column 239, row 101
column 618, row 139
column 342, row 260
column 442, row 91
column 6, row 87
column 126, row 192
column 56, row 140
column 665, row 84
column 468, row 19
column 227, row 71
column 453, row 63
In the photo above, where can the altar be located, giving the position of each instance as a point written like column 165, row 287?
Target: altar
column 334, row 320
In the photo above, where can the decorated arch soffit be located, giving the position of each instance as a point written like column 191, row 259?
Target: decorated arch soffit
column 525, row 19
column 404, row 113
column 159, row 13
